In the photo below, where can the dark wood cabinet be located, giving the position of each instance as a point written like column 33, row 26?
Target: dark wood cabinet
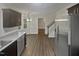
column 11, row 18
column 25, row 42
column 16, row 48
column 11, row 50
column 74, row 10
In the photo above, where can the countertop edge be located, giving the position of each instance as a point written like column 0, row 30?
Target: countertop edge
column 11, row 42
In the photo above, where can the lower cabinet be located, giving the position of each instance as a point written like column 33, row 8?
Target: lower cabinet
column 25, row 42
column 11, row 50
column 20, row 45
column 16, row 48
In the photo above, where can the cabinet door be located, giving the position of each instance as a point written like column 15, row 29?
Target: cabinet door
column 11, row 50
column 25, row 40
column 6, row 18
column 19, row 46
column 11, row 18
column 22, row 40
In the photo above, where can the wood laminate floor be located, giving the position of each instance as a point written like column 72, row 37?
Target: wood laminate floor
column 39, row 45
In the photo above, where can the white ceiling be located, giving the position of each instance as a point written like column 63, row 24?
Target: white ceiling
column 38, row 8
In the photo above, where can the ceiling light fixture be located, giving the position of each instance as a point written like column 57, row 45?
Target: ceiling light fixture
column 28, row 17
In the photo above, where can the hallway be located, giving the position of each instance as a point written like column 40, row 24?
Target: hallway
column 39, row 45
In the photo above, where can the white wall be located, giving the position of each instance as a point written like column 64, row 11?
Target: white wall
column 32, row 27
column 10, row 29
column 1, row 23
column 1, row 20
column 48, row 20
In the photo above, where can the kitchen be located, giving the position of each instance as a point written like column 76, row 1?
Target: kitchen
column 13, row 42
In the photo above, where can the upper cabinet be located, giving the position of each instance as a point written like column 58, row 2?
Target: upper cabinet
column 74, row 10
column 11, row 18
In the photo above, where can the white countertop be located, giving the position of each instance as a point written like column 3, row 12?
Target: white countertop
column 11, row 37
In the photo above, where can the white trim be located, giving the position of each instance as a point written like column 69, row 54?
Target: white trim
column 61, row 20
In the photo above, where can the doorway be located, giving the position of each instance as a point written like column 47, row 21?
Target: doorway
column 41, row 26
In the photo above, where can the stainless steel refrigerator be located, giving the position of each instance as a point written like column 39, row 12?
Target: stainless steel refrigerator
column 67, row 44
column 74, row 24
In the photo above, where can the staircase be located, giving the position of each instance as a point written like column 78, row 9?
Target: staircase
column 51, row 24
column 51, row 29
